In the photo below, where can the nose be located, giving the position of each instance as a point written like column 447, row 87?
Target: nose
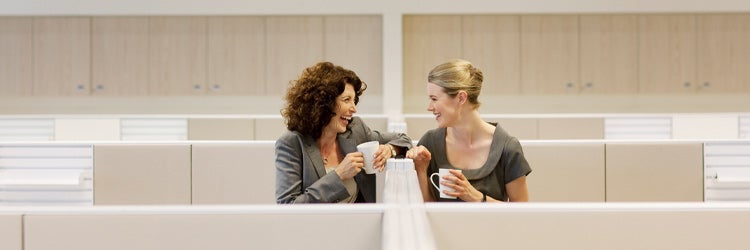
column 430, row 107
column 353, row 108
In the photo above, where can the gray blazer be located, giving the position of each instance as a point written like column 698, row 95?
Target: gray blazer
column 301, row 176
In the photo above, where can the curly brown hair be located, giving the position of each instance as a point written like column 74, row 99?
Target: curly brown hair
column 311, row 99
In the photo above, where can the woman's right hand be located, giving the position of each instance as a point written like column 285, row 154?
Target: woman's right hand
column 351, row 165
column 421, row 157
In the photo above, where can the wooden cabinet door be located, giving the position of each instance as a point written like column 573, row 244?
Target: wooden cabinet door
column 236, row 55
column 356, row 43
column 62, row 56
column 493, row 44
column 177, row 55
column 15, row 56
column 666, row 53
column 292, row 44
column 549, row 54
column 428, row 41
column 119, row 52
column 723, row 42
column 609, row 54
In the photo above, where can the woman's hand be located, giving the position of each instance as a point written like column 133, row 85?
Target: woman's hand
column 421, row 157
column 350, row 166
column 381, row 156
column 461, row 186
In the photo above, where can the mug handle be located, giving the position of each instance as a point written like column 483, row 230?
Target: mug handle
column 433, row 182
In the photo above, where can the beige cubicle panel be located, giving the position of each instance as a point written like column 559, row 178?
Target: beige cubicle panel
column 565, row 172
column 10, row 232
column 571, row 128
column 87, row 129
column 417, row 126
column 589, row 229
column 376, row 123
column 267, row 230
column 221, row 129
column 234, row 173
column 665, row 171
column 521, row 128
column 269, row 128
column 141, row 174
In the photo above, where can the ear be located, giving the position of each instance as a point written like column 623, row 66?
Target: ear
column 462, row 97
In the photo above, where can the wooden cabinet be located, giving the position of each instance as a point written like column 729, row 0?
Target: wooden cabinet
column 177, row 55
column 493, row 44
column 356, row 43
column 666, row 53
column 15, row 56
column 62, row 56
column 119, row 53
column 723, row 53
column 608, row 54
column 428, row 41
column 292, row 44
column 549, row 54
column 236, row 55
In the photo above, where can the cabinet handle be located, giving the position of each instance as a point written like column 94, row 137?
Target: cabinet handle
column 569, row 85
column 589, row 85
column 686, row 84
column 80, row 87
column 197, row 87
column 99, row 87
column 706, row 84
column 216, row 87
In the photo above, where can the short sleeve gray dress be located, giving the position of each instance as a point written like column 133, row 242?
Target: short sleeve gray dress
column 504, row 164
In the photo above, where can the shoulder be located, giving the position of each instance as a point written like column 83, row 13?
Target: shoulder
column 290, row 139
column 429, row 137
column 508, row 141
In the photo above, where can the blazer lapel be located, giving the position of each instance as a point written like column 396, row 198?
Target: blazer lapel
column 313, row 153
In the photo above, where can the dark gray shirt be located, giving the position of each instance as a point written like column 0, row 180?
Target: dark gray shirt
column 504, row 164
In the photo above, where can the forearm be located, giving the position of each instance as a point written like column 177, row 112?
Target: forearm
column 425, row 187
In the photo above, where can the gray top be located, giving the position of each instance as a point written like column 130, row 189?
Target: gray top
column 301, row 175
column 504, row 164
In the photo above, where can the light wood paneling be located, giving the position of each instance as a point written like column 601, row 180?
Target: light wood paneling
column 549, row 54
column 10, row 232
column 571, row 128
column 234, row 173
column 15, row 56
column 292, row 44
column 248, row 230
column 666, row 53
column 492, row 43
column 609, row 54
column 119, row 50
column 356, row 43
column 566, row 172
column 62, row 56
column 654, row 172
column 142, row 174
column 428, row 41
column 221, row 129
column 723, row 57
column 236, row 55
column 177, row 51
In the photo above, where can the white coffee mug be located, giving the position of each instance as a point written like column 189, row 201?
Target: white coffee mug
column 368, row 150
column 442, row 172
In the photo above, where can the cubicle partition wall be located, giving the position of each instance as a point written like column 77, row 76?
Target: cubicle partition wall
column 11, row 229
column 201, row 227
column 590, row 226
column 243, row 172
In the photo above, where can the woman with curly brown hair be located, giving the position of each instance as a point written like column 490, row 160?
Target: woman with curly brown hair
column 317, row 159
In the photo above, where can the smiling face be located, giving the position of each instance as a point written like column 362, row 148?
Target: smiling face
column 443, row 106
column 344, row 111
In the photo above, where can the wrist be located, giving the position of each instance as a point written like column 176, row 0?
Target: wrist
column 392, row 149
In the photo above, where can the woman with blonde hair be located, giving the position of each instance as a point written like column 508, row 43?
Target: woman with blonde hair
column 486, row 163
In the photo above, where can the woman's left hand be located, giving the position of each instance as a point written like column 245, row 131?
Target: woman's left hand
column 381, row 156
column 461, row 186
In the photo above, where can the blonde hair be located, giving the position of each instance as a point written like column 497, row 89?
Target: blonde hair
column 458, row 75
